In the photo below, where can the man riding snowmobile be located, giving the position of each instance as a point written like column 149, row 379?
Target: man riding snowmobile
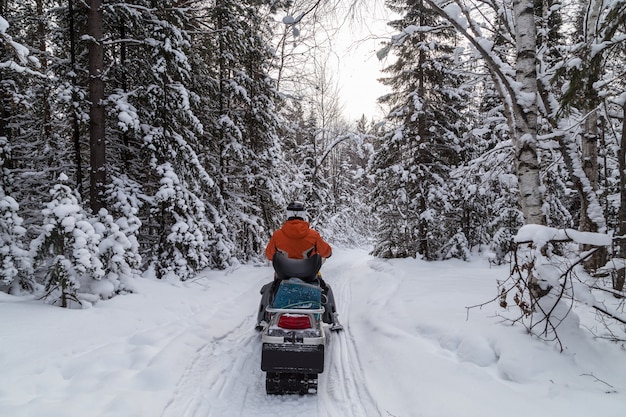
column 297, row 240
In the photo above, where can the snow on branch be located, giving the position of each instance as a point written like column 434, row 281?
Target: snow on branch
column 20, row 51
column 540, row 235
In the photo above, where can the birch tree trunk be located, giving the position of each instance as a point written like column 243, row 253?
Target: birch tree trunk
column 527, row 159
column 520, row 99
column 96, row 112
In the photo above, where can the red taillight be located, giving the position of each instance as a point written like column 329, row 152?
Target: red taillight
column 291, row 322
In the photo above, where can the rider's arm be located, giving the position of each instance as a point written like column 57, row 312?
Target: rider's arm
column 270, row 250
column 322, row 247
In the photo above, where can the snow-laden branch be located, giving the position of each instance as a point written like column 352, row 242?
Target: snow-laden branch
column 540, row 235
column 504, row 74
column 20, row 51
column 328, row 150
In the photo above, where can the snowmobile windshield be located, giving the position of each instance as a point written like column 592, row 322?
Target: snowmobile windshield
column 305, row 269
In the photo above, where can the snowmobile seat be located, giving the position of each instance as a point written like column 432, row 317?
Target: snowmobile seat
column 305, row 269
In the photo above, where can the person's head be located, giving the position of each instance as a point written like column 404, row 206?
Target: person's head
column 295, row 210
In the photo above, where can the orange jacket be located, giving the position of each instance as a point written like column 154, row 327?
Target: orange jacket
column 298, row 241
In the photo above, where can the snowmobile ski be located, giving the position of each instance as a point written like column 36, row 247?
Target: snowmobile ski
column 335, row 326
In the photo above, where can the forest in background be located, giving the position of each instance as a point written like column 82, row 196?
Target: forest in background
column 170, row 135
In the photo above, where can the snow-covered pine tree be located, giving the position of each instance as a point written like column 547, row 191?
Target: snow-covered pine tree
column 159, row 133
column 118, row 254
column 39, row 131
column 426, row 126
column 15, row 266
column 15, row 262
column 242, row 130
column 66, row 250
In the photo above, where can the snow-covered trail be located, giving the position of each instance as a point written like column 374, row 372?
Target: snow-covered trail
column 409, row 349
column 224, row 377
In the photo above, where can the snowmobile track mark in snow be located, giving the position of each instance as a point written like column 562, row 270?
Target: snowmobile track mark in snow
column 208, row 376
column 344, row 382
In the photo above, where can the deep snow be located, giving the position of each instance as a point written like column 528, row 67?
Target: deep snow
column 410, row 348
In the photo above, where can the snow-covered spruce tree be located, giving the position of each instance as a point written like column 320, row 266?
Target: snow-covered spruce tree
column 484, row 186
column 422, row 144
column 15, row 266
column 240, row 138
column 118, row 254
column 484, row 194
column 395, row 237
column 505, row 227
column 488, row 184
column 242, row 130
column 124, row 203
column 39, row 141
column 183, row 244
column 155, row 106
column 66, row 250
column 456, row 247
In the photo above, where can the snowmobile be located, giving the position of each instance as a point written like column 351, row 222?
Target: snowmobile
column 291, row 316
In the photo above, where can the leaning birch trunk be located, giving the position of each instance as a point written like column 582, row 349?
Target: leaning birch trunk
column 527, row 159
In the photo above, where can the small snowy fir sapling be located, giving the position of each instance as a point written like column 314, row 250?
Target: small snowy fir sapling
column 505, row 227
column 125, row 199
column 116, row 253
column 67, row 249
column 182, row 249
column 457, row 247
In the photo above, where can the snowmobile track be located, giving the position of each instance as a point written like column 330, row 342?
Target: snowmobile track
column 211, row 377
column 343, row 386
column 224, row 379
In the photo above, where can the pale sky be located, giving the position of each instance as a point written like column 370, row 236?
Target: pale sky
column 358, row 67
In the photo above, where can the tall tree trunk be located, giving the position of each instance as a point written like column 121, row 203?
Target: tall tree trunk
column 96, row 112
column 41, row 35
column 618, row 284
column 527, row 161
column 422, row 131
column 589, row 200
column 75, row 126
column 126, row 153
